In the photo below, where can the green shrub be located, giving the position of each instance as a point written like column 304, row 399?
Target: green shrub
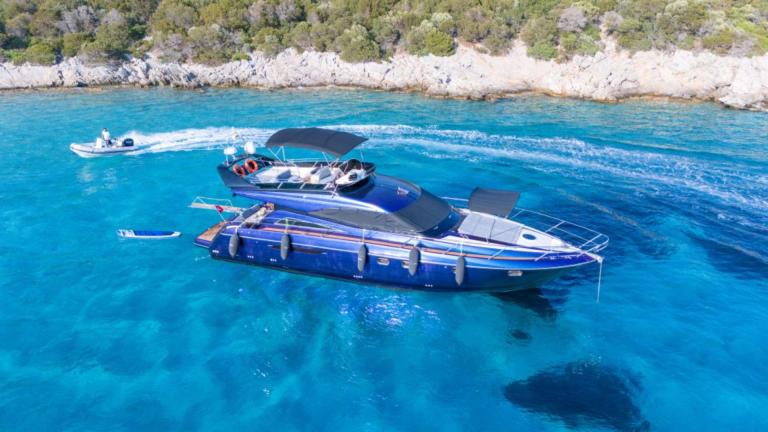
column 632, row 36
column 688, row 17
column 439, row 43
column 41, row 53
column 475, row 24
column 171, row 47
column 540, row 34
column 720, row 42
column 18, row 31
column 497, row 45
column 239, row 56
column 386, row 32
column 573, row 44
column 211, row 44
column 269, row 41
column 229, row 14
column 443, row 22
column 604, row 6
column 15, row 56
column 427, row 39
column 579, row 43
column 323, row 36
column 357, row 45
column 140, row 49
column 112, row 41
column 300, row 36
column 173, row 16
column 543, row 51
column 500, row 37
column 73, row 42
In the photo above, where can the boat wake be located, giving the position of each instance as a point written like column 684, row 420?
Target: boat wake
column 194, row 139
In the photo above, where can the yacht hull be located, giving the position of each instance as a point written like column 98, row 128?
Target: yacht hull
column 385, row 265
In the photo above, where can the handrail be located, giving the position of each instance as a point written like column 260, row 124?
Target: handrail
column 201, row 202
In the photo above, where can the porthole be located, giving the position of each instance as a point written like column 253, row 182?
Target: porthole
column 382, row 261
column 529, row 236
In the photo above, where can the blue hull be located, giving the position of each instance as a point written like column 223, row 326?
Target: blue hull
column 386, row 265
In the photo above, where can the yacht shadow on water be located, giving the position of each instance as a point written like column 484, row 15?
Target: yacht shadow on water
column 581, row 394
column 541, row 302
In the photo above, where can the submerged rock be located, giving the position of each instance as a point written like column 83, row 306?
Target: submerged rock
column 581, row 394
column 521, row 336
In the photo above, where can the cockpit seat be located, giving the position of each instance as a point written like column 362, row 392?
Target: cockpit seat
column 321, row 175
column 284, row 176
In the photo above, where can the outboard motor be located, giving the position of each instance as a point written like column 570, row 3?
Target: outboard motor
column 128, row 142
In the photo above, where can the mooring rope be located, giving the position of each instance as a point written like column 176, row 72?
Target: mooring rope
column 599, row 279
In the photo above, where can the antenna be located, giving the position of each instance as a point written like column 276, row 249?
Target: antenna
column 229, row 151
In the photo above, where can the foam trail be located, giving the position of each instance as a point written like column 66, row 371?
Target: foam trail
column 727, row 182
column 195, row 139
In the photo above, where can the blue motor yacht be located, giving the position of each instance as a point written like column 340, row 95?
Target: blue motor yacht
column 340, row 218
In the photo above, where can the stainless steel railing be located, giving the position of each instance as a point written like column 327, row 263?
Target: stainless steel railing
column 575, row 235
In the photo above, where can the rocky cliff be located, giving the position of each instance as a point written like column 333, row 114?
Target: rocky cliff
column 611, row 75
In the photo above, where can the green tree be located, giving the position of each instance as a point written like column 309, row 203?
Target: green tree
column 357, row 45
column 211, row 44
column 40, row 52
column 427, row 39
column 540, row 34
column 269, row 41
column 173, row 16
column 73, row 42
column 112, row 41
column 300, row 36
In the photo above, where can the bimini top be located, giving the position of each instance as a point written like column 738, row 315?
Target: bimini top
column 324, row 140
column 493, row 201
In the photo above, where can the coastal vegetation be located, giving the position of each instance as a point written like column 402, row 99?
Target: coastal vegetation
column 217, row 31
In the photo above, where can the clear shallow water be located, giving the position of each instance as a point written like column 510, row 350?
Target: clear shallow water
column 98, row 333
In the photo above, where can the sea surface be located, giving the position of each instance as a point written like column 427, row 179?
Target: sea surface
column 99, row 333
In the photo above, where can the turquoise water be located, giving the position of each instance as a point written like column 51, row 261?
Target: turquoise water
column 98, row 333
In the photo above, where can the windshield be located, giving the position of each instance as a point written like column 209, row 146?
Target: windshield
column 427, row 214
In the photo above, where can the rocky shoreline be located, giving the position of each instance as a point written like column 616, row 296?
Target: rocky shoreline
column 611, row 75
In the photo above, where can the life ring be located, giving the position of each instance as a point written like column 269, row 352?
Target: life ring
column 239, row 170
column 251, row 165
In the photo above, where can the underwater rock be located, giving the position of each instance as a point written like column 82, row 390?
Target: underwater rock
column 581, row 394
column 733, row 258
column 521, row 335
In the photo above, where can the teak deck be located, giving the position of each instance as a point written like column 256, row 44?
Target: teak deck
column 211, row 232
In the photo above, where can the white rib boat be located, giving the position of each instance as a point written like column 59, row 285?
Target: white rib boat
column 124, row 146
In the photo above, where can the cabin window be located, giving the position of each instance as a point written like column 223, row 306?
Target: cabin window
column 404, row 264
column 288, row 222
column 529, row 236
column 382, row 261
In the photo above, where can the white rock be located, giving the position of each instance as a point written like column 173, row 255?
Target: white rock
column 610, row 75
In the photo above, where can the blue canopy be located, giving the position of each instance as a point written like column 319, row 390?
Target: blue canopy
column 324, row 140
